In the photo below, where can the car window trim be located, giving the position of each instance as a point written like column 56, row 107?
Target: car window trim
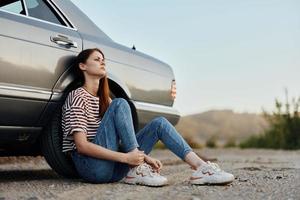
column 61, row 13
column 40, row 20
column 52, row 9
column 24, row 7
column 56, row 11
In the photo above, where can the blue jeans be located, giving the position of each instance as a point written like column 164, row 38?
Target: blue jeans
column 116, row 132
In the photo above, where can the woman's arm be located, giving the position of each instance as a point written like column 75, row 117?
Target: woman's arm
column 85, row 147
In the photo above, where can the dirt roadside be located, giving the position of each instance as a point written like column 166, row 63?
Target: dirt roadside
column 260, row 174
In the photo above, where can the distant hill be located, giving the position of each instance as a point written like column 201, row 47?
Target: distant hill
column 222, row 124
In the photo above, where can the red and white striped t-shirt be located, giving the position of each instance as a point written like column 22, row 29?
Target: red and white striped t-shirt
column 79, row 113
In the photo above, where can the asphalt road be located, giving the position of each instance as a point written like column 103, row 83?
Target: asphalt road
column 260, row 174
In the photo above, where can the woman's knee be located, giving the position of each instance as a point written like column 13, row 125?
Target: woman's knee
column 160, row 125
column 120, row 103
column 160, row 121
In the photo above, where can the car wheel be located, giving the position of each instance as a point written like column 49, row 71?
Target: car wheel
column 51, row 146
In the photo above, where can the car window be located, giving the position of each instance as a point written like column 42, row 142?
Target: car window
column 12, row 6
column 39, row 9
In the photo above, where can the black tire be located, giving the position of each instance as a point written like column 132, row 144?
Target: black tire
column 51, row 146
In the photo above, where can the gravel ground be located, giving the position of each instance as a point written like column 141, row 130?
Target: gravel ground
column 260, row 174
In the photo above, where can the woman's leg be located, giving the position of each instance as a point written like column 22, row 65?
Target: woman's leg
column 162, row 129
column 157, row 129
column 116, row 125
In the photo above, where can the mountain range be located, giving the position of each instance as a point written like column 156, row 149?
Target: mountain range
column 222, row 125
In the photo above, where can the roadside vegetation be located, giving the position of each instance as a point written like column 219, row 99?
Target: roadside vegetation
column 280, row 128
column 284, row 129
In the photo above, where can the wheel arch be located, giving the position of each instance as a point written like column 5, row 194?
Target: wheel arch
column 68, row 81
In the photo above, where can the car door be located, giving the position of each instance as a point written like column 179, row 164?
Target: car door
column 37, row 44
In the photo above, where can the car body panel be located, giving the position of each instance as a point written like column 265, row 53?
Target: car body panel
column 27, row 75
column 121, row 60
column 37, row 71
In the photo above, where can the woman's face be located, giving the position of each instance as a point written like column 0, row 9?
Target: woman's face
column 94, row 65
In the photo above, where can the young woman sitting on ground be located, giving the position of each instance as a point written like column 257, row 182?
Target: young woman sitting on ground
column 100, row 135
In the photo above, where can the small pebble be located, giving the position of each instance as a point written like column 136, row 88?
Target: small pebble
column 108, row 192
column 243, row 179
column 278, row 177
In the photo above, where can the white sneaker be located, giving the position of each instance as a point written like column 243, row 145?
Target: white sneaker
column 144, row 174
column 210, row 174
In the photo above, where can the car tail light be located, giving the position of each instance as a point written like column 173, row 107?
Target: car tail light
column 173, row 89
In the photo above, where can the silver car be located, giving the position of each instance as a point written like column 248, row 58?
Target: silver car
column 39, row 40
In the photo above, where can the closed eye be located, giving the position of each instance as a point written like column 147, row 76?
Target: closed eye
column 99, row 59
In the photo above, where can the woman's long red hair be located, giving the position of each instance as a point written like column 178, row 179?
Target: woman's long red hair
column 103, row 89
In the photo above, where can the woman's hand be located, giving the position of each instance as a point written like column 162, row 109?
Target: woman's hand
column 135, row 157
column 155, row 163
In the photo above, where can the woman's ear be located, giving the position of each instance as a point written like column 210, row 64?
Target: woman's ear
column 82, row 66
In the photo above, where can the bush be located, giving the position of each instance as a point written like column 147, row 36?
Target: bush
column 230, row 143
column 212, row 142
column 284, row 131
column 193, row 144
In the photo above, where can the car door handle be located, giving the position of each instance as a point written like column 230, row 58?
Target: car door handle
column 63, row 40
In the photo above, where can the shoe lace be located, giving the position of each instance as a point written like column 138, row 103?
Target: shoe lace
column 209, row 167
column 214, row 166
column 147, row 169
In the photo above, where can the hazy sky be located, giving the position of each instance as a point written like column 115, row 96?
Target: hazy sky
column 229, row 54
